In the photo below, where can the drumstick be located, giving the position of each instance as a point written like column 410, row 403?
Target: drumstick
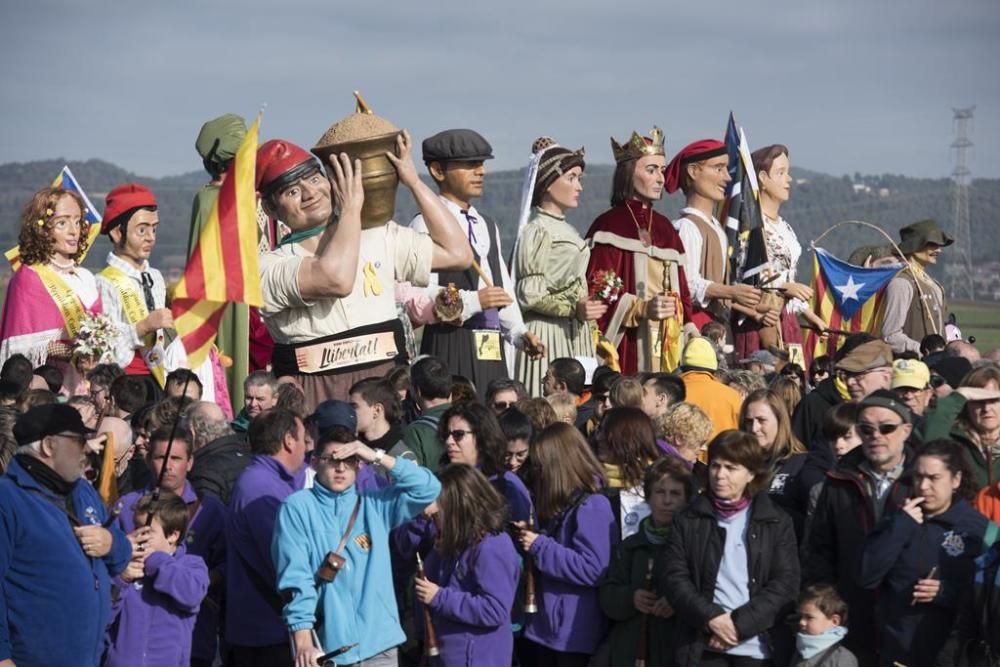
column 482, row 274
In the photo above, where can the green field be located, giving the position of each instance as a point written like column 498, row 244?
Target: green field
column 981, row 320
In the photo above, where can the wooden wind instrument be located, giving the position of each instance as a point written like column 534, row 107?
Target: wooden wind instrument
column 642, row 650
column 430, row 639
column 530, row 603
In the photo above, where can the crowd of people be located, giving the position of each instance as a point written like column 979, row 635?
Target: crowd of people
column 604, row 453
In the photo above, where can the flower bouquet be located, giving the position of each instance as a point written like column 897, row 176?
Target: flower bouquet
column 606, row 286
column 448, row 306
column 95, row 339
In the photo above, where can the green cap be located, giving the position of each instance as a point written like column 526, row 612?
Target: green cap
column 220, row 138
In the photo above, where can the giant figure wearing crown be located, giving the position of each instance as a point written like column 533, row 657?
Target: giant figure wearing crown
column 641, row 247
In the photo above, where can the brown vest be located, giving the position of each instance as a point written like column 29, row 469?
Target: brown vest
column 713, row 262
column 923, row 311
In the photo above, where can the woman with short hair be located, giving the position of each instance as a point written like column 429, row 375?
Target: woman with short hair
column 731, row 568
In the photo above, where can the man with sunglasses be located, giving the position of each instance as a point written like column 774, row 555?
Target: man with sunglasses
column 56, row 557
column 868, row 484
column 133, row 292
column 331, row 553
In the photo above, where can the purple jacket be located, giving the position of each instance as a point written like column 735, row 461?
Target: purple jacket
column 154, row 616
column 570, row 565
column 471, row 610
column 253, row 510
column 206, row 537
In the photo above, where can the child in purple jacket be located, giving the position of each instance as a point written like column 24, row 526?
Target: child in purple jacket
column 157, row 597
column 472, row 573
column 572, row 553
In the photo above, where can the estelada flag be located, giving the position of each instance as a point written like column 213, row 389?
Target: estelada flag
column 222, row 267
column 68, row 181
column 847, row 297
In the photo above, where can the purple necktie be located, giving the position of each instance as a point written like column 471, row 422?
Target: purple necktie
column 489, row 318
column 471, row 221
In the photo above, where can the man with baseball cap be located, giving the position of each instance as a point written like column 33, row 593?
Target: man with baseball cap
column 328, row 287
column 133, row 293
column 56, row 557
column 868, row 483
column 456, row 160
column 911, row 379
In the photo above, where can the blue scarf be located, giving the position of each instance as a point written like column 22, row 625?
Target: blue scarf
column 809, row 646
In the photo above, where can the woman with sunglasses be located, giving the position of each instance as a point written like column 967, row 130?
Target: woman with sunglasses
column 922, row 558
column 571, row 553
column 472, row 572
column 472, row 436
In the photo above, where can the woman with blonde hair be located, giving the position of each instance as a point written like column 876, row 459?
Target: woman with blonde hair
column 687, row 428
column 765, row 417
column 572, row 552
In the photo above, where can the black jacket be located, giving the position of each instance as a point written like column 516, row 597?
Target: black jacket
column 807, row 421
column 218, row 464
column 693, row 558
column 976, row 632
column 844, row 517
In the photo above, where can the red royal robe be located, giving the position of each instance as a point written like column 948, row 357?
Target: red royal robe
column 615, row 246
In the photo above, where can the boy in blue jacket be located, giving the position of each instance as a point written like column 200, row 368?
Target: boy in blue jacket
column 160, row 591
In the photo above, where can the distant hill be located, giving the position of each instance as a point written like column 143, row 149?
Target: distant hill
column 818, row 201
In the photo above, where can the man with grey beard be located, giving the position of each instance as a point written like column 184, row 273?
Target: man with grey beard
column 220, row 455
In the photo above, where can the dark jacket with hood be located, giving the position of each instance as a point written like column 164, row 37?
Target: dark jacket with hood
column 219, row 464
column 807, row 420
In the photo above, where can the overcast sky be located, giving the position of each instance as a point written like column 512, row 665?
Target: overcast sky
column 848, row 85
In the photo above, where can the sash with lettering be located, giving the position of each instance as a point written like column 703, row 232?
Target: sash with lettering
column 39, row 308
column 135, row 310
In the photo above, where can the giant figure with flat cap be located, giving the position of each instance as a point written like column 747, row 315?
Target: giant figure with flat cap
column 914, row 301
column 699, row 171
column 328, row 287
column 642, row 248
column 133, row 292
column 471, row 346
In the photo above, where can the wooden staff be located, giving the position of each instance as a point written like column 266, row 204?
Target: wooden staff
column 530, row 604
column 642, row 650
column 430, row 639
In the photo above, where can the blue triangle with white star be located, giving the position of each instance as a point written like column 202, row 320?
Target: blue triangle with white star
column 849, row 285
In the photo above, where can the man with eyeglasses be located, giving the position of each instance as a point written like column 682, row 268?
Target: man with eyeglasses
column 911, row 379
column 331, row 553
column 133, row 293
column 56, row 556
column 868, row 484
column 328, row 293
column 866, row 369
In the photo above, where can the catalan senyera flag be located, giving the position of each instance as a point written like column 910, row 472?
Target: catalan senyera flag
column 66, row 180
column 222, row 267
column 847, row 297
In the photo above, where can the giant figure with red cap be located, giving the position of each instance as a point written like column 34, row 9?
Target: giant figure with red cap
column 328, row 288
column 133, row 292
column 699, row 171
column 642, row 248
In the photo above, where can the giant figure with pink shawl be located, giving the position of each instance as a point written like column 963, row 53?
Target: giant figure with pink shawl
column 50, row 295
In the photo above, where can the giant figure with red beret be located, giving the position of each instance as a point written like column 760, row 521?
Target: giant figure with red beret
column 699, row 170
column 328, row 288
column 133, row 292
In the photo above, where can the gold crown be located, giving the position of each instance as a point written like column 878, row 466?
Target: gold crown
column 637, row 146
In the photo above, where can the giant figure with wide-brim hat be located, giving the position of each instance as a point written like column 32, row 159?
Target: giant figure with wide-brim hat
column 328, row 287
column 915, row 302
column 641, row 247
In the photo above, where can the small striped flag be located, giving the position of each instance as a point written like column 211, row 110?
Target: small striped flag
column 68, row 181
column 847, row 297
column 222, row 267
